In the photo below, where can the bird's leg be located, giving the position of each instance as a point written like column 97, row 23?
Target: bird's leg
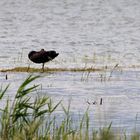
column 43, row 67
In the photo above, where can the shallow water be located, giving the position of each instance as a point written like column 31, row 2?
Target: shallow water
column 86, row 33
column 83, row 32
column 120, row 95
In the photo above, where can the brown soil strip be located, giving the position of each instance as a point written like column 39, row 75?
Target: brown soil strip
column 27, row 69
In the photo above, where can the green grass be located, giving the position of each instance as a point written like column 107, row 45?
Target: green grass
column 27, row 118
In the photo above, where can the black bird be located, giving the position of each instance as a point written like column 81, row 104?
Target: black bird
column 42, row 56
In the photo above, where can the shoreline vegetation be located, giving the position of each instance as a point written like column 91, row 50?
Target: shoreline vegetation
column 27, row 69
column 27, row 117
column 80, row 69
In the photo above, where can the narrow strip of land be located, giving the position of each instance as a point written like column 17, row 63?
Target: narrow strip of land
column 27, row 69
column 83, row 69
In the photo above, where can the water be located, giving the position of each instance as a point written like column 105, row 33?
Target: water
column 85, row 33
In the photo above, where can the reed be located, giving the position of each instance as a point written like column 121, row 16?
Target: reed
column 27, row 118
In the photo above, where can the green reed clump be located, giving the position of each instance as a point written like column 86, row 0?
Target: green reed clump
column 27, row 118
column 23, row 117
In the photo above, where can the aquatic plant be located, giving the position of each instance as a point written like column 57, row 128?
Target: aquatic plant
column 27, row 118
column 23, row 115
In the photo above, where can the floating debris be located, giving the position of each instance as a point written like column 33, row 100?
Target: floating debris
column 95, row 102
column 6, row 77
column 101, row 101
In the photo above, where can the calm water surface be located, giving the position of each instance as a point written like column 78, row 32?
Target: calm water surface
column 85, row 32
